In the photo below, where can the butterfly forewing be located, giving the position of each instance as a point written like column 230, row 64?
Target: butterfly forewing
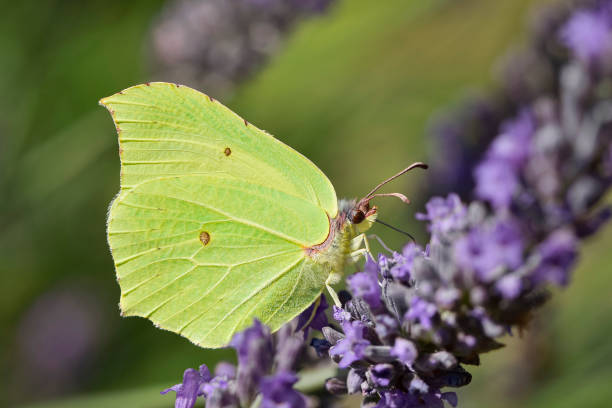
column 166, row 129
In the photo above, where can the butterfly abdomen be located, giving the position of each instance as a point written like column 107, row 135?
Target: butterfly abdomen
column 334, row 252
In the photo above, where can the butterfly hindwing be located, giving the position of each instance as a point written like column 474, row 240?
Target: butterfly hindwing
column 202, row 255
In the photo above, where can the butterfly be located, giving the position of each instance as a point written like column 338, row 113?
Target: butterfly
column 217, row 222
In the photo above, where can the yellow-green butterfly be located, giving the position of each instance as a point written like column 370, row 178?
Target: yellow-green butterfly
column 217, row 222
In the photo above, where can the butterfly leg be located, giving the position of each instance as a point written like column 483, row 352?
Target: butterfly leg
column 333, row 294
column 381, row 242
column 355, row 255
column 315, row 307
column 356, row 247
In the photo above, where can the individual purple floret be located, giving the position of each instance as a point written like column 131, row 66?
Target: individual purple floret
column 404, row 350
column 445, row 215
column 353, row 345
column 365, row 285
column 191, row 388
column 403, row 265
column 421, row 312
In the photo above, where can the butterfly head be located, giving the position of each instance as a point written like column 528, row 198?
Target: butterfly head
column 362, row 214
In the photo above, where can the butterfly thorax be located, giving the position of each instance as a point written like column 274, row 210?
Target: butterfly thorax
column 335, row 252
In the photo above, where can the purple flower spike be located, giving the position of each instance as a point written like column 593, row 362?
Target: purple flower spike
column 588, row 35
column 540, row 153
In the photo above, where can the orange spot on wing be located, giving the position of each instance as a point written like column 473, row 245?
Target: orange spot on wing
column 204, row 238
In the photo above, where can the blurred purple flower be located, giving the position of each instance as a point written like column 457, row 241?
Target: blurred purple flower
column 265, row 370
column 587, row 34
column 58, row 337
column 509, row 286
column 215, row 45
column 513, row 144
column 250, row 341
column 487, row 250
column 225, row 370
column 496, row 182
column 277, row 392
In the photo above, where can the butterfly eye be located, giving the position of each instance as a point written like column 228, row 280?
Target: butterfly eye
column 357, row 216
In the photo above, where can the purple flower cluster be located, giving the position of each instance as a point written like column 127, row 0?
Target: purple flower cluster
column 265, row 372
column 214, row 45
column 537, row 171
column 416, row 318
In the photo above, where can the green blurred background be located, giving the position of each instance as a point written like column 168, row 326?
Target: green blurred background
column 354, row 89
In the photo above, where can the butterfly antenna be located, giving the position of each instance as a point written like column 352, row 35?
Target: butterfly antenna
column 406, row 170
column 395, row 229
column 365, row 200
